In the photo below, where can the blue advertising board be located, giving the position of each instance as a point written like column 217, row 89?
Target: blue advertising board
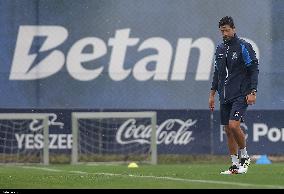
column 264, row 133
column 178, row 131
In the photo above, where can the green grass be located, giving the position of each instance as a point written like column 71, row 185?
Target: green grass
column 200, row 176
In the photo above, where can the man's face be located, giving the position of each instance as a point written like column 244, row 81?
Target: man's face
column 227, row 32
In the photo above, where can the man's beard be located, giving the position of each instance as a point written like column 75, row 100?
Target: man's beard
column 227, row 38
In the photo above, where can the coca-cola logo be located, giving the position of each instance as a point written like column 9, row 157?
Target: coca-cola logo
column 171, row 131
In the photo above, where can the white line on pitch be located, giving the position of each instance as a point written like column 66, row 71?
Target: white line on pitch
column 161, row 178
column 41, row 168
column 192, row 180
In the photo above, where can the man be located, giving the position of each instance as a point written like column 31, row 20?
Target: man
column 235, row 78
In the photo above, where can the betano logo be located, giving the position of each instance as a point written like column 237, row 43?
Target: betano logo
column 168, row 65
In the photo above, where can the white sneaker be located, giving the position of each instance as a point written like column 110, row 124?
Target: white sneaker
column 232, row 170
column 244, row 164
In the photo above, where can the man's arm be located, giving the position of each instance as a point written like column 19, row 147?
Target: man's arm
column 215, row 81
column 214, row 87
column 253, row 72
column 252, row 68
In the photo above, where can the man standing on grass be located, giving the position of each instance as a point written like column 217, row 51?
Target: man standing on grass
column 235, row 78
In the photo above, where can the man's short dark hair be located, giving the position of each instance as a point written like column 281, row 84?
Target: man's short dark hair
column 227, row 20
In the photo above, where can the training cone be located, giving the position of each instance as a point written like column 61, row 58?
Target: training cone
column 263, row 159
column 132, row 165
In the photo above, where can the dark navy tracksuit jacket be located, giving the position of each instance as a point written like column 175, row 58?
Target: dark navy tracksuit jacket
column 236, row 70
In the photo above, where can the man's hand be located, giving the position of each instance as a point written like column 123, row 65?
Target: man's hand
column 211, row 103
column 251, row 99
column 212, row 100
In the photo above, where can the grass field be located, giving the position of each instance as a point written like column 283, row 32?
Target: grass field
column 185, row 176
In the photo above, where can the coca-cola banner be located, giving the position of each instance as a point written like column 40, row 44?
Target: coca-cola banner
column 178, row 131
column 189, row 132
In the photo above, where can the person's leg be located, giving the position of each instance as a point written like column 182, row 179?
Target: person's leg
column 225, row 110
column 232, row 145
column 237, row 113
column 233, row 150
column 237, row 133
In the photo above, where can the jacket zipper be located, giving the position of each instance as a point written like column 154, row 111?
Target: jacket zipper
column 227, row 72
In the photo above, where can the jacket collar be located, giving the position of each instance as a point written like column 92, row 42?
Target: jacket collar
column 232, row 41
